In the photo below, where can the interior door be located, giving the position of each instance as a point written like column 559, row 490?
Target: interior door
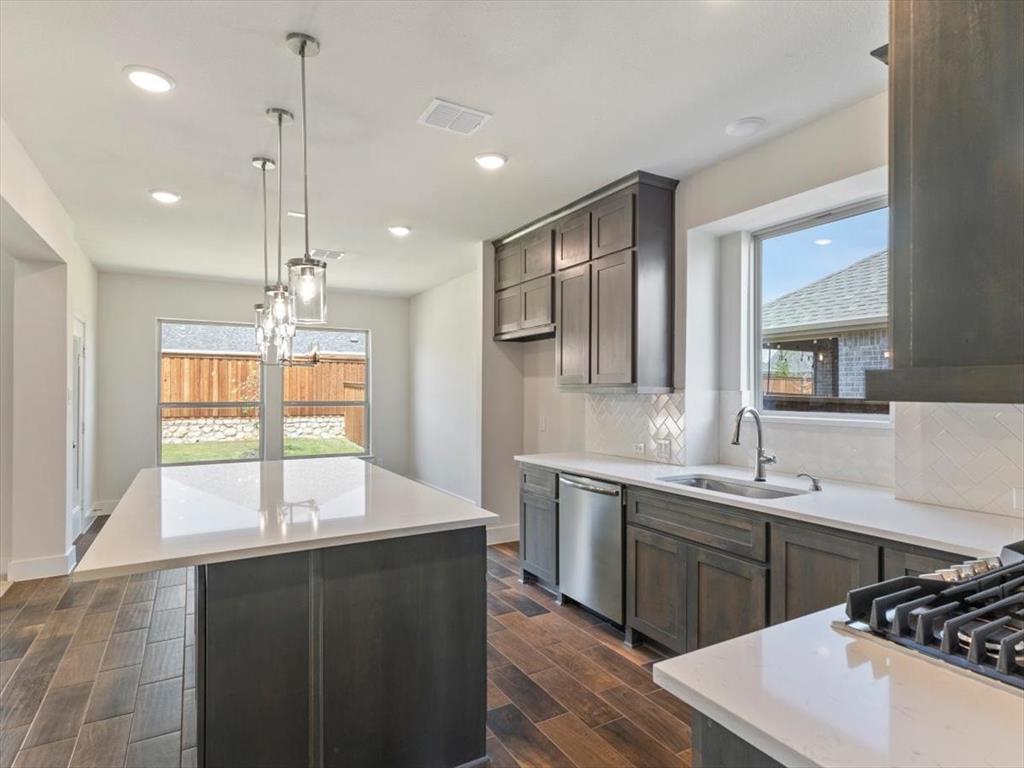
column 78, row 429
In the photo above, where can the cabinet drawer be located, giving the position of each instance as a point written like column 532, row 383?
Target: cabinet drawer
column 539, row 482
column 724, row 528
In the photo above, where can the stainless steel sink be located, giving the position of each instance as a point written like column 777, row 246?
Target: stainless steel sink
column 735, row 487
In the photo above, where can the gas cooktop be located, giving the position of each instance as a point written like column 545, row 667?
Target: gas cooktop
column 970, row 615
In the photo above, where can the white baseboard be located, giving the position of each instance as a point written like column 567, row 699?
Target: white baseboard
column 102, row 508
column 499, row 534
column 41, row 567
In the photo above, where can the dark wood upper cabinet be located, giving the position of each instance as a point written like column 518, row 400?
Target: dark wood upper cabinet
column 535, row 302
column 612, row 224
column 508, row 265
column 572, row 319
column 726, row 597
column 956, row 201
column 538, row 254
column 507, row 310
column 656, row 587
column 812, row 570
column 631, row 220
column 572, row 240
column 611, row 319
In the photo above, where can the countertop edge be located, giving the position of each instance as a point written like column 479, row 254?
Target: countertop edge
column 227, row 555
column 767, row 509
column 727, row 719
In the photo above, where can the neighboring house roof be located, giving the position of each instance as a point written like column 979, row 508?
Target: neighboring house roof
column 855, row 295
column 195, row 337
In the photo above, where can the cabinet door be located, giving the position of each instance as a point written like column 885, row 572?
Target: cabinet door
column 538, row 537
column 656, row 587
column 508, row 265
column 507, row 311
column 896, row 562
column 812, row 570
column 612, row 224
column 726, row 597
column 572, row 334
column 572, row 240
column 536, row 302
column 538, row 254
column 611, row 326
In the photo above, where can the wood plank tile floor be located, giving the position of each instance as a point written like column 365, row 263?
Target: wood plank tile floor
column 103, row 674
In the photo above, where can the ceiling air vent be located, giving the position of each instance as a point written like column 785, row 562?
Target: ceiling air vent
column 453, row 117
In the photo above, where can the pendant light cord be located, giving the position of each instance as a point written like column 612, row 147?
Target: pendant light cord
column 305, row 162
column 266, row 267
column 280, row 190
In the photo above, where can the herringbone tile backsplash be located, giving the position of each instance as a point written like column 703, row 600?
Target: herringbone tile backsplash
column 615, row 423
column 961, row 455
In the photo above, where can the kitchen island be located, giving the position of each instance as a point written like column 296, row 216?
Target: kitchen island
column 340, row 608
column 805, row 693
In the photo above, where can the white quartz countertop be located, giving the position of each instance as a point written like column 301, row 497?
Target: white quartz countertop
column 176, row 516
column 805, row 693
column 866, row 509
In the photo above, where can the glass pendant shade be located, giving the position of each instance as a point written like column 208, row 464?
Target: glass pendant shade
column 277, row 299
column 307, row 283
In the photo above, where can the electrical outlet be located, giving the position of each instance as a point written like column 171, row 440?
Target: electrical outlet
column 638, row 450
column 542, row 424
column 663, row 449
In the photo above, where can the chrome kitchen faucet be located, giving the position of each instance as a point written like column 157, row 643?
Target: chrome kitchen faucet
column 763, row 459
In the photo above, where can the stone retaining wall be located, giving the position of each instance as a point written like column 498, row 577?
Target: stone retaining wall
column 212, row 430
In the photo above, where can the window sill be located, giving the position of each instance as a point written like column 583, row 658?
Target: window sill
column 829, row 422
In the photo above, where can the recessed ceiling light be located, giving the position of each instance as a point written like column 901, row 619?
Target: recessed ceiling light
column 164, row 196
column 149, row 79
column 297, row 214
column 491, row 161
column 823, row 241
column 399, row 231
column 745, row 126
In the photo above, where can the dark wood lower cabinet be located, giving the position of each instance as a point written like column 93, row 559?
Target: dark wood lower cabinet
column 369, row 654
column 726, row 597
column 538, row 537
column 897, row 562
column 715, row 746
column 812, row 570
column 656, row 587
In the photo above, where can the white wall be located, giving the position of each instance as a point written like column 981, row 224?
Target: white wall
column 127, row 339
column 553, row 421
column 36, row 229
column 7, row 264
column 444, row 372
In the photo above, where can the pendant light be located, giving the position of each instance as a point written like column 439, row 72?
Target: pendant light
column 272, row 348
column 276, row 296
column 307, row 277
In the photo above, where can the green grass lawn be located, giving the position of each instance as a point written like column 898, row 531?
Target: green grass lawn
column 228, row 450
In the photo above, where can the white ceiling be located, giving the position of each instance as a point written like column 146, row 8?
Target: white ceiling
column 581, row 93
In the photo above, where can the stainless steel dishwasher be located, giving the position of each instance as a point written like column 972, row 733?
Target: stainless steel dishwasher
column 590, row 544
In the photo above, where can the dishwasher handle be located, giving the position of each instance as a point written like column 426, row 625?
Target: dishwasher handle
column 589, row 488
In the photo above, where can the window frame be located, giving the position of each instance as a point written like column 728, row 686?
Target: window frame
column 757, row 238
column 365, row 404
column 260, row 404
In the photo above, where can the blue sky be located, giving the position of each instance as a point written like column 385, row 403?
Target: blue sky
column 791, row 261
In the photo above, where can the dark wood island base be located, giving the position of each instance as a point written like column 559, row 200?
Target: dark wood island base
column 367, row 654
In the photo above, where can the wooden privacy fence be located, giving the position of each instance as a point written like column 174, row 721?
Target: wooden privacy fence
column 188, row 377
column 787, row 385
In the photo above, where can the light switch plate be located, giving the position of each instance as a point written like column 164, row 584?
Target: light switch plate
column 663, row 449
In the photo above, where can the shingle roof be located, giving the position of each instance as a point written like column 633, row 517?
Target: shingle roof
column 195, row 337
column 859, row 291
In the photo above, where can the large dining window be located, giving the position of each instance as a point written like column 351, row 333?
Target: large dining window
column 213, row 406
column 326, row 406
column 210, row 393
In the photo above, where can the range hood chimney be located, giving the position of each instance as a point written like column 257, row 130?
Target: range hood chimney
column 956, row 202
